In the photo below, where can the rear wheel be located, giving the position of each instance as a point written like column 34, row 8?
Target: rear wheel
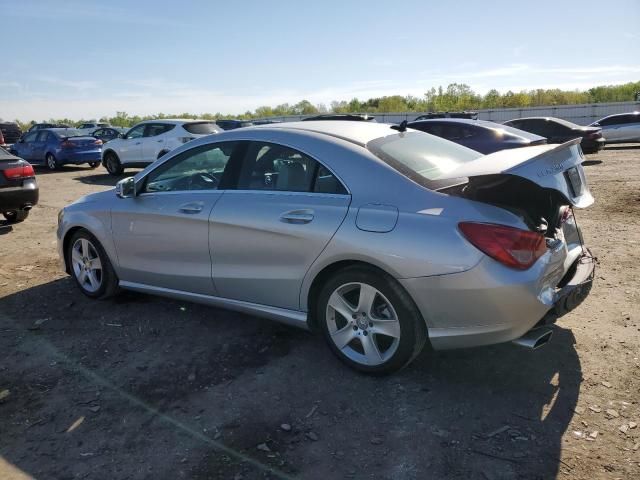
column 369, row 320
column 90, row 266
column 51, row 162
column 112, row 164
column 16, row 216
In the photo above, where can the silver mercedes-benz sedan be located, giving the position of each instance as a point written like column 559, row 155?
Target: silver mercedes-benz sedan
column 382, row 238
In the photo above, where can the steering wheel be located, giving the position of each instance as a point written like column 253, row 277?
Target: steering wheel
column 204, row 180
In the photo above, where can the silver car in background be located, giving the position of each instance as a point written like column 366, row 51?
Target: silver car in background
column 382, row 238
column 620, row 128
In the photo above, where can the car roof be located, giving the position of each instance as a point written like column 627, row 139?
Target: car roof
column 486, row 124
column 176, row 121
column 561, row 121
column 360, row 133
column 620, row 115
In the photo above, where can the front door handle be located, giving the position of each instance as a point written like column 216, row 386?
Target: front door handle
column 297, row 216
column 190, row 208
column 137, row 143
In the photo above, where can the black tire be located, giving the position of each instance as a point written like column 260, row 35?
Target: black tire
column 94, row 164
column 413, row 331
column 51, row 162
column 16, row 216
column 108, row 286
column 112, row 164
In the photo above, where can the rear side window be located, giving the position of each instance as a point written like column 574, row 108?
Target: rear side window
column 421, row 158
column 154, row 129
column 42, row 136
column 268, row 166
column 201, row 128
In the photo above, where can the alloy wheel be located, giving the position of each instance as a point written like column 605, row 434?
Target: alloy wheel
column 86, row 264
column 51, row 162
column 362, row 323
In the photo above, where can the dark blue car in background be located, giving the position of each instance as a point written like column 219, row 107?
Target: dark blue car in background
column 55, row 147
column 479, row 135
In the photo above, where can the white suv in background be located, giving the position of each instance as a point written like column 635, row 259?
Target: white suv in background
column 149, row 140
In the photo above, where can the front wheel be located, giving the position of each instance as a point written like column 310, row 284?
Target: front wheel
column 369, row 321
column 112, row 164
column 90, row 266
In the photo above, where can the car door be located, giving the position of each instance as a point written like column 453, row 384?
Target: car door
column 153, row 140
column 39, row 146
column 620, row 128
column 130, row 149
column 24, row 147
column 265, row 234
column 162, row 234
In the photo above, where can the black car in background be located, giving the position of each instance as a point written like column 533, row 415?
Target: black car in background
column 557, row 130
column 353, row 117
column 108, row 133
column 41, row 126
column 233, row 124
column 10, row 133
column 480, row 135
column 18, row 187
column 463, row 114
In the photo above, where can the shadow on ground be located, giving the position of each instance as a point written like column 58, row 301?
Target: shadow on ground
column 104, row 178
column 142, row 387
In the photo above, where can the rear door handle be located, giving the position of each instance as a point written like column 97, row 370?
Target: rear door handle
column 297, row 216
column 191, row 208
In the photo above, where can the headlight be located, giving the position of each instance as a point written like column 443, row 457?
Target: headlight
column 60, row 216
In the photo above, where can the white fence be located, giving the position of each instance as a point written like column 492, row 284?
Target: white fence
column 583, row 114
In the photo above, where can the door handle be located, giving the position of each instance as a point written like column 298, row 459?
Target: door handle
column 159, row 141
column 297, row 216
column 190, row 208
column 137, row 143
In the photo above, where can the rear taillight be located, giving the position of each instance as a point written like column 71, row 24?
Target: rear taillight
column 1, row 138
column 510, row 246
column 67, row 144
column 98, row 142
column 594, row 135
column 15, row 173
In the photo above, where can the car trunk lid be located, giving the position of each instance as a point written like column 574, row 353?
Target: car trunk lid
column 552, row 167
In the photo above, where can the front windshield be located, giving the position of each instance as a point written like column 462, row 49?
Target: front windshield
column 420, row 156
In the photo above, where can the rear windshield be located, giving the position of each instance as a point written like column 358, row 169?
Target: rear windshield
column 421, row 157
column 201, row 128
column 69, row 132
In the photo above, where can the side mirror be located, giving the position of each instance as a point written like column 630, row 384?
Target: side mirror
column 126, row 188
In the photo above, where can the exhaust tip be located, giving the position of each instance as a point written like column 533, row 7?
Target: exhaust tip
column 535, row 338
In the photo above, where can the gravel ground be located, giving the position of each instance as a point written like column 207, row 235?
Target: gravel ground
column 146, row 388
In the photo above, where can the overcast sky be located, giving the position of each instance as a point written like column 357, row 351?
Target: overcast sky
column 84, row 59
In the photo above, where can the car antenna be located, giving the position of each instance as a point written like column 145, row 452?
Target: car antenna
column 402, row 127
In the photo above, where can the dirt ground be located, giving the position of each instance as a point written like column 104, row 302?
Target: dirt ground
column 146, row 388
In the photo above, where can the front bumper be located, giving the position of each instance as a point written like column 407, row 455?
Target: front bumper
column 490, row 304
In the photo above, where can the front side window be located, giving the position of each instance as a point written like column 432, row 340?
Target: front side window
column 42, row 136
column 200, row 168
column 30, row 137
column 136, row 132
column 268, row 166
column 422, row 158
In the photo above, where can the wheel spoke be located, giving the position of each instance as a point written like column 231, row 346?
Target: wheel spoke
column 76, row 257
column 82, row 277
column 85, row 247
column 390, row 328
column 371, row 350
column 93, row 280
column 95, row 264
column 340, row 305
column 367, row 297
column 342, row 337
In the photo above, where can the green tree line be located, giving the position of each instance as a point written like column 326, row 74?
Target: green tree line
column 456, row 96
